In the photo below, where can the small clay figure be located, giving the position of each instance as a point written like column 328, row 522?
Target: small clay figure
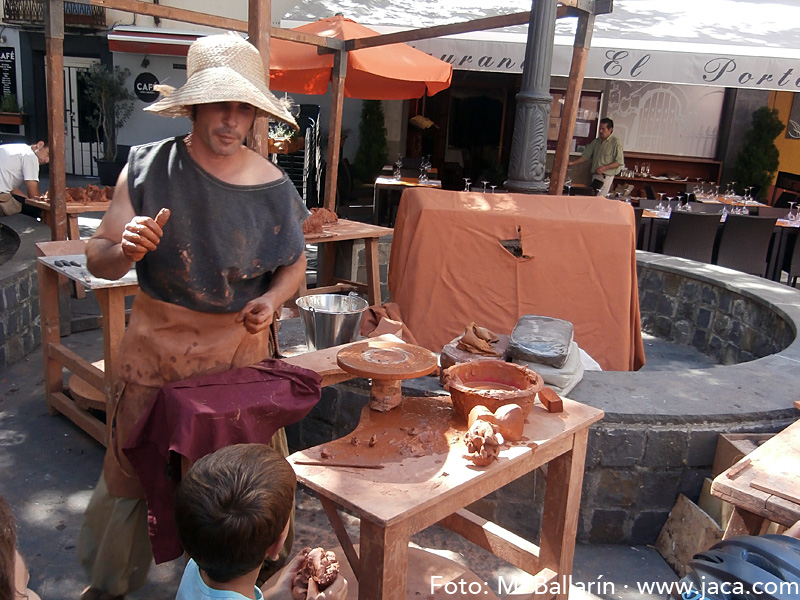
column 483, row 442
column 373, row 440
column 319, row 565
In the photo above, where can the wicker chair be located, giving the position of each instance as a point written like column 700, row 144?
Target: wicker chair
column 793, row 266
column 648, row 190
column 745, row 243
column 691, row 235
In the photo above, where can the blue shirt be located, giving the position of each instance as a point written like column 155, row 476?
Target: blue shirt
column 194, row 588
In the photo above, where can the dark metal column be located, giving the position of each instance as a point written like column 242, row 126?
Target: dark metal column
column 529, row 145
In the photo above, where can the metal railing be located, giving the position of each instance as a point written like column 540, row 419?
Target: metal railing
column 31, row 13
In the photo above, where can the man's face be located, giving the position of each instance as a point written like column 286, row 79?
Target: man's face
column 222, row 126
column 43, row 154
column 604, row 132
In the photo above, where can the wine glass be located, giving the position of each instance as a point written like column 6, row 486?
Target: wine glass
column 494, row 186
column 485, row 183
column 398, row 164
column 660, row 205
column 467, row 181
column 791, row 216
column 669, row 204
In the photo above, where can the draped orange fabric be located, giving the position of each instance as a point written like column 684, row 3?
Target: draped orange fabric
column 391, row 72
column 449, row 267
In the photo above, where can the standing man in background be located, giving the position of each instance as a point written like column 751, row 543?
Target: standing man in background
column 605, row 155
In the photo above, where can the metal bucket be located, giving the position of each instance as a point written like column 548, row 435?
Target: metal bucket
column 330, row 319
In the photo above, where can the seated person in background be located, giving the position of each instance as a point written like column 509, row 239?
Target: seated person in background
column 232, row 510
column 14, row 574
column 19, row 164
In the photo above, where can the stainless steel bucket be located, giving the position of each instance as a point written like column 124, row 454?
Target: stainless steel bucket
column 330, row 319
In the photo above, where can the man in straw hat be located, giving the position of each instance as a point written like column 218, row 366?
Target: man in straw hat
column 211, row 278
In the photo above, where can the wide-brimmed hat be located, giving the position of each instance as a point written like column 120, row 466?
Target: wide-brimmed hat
column 221, row 68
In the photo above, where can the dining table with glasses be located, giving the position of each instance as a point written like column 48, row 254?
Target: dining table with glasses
column 387, row 193
column 786, row 229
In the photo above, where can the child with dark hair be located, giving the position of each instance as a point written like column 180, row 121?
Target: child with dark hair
column 232, row 511
column 14, row 574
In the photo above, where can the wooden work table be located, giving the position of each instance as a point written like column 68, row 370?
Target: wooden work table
column 73, row 210
column 343, row 231
column 764, row 485
column 415, row 476
column 110, row 295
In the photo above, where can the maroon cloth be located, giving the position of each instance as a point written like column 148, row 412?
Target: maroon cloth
column 196, row 416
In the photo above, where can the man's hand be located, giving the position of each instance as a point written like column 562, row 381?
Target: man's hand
column 143, row 234
column 257, row 314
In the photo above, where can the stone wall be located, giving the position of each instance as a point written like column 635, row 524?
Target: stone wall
column 20, row 327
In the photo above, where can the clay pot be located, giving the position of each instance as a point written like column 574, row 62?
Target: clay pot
column 491, row 383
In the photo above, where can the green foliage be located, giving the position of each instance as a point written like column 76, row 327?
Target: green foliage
column 758, row 160
column 112, row 104
column 372, row 153
column 9, row 104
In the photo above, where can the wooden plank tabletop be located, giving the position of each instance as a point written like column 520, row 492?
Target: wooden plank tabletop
column 420, row 446
column 767, row 480
column 81, row 274
column 347, row 230
column 72, row 207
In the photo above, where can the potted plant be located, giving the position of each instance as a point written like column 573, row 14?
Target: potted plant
column 112, row 106
column 10, row 113
column 759, row 159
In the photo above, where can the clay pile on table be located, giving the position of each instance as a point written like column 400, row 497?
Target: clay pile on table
column 91, row 193
column 318, row 218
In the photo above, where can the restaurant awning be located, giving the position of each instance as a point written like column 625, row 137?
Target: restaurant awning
column 741, row 43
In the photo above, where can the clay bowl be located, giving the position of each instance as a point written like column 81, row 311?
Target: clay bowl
column 491, row 383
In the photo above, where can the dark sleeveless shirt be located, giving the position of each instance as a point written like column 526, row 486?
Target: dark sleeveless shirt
column 222, row 242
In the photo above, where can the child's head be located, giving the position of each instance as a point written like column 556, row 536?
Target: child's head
column 8, row 546
column 232, row 506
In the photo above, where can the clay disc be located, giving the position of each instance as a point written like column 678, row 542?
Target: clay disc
column 386, row 360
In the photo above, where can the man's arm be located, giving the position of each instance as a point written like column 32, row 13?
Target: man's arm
column 258, row 313
column 122, row 237
column 32, row 188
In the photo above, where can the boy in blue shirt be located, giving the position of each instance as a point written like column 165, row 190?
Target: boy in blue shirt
column 232, row 511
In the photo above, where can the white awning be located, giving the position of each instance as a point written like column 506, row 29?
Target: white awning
column 729, row 43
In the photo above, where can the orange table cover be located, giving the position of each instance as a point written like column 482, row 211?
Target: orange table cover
column 448, row 267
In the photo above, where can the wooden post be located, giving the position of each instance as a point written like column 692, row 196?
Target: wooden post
column 580, row 53
column 259, row 21
column 335, row 127
column 54, row 32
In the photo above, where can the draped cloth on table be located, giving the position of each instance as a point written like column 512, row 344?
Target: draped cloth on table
column 196, row 416
column 449, row 266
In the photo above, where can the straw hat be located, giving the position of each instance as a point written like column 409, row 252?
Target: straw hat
column 221, row 68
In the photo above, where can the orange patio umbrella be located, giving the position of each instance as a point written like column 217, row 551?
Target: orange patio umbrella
column 390, row 72
column 382, row 72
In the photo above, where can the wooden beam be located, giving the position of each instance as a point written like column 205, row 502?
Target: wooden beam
column 259, row 19
column 54, row 74
column 335, row 129
column 306, row 38
column 580, row 54
column 172, row 13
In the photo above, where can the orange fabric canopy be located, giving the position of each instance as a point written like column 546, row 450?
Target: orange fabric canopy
column 391, row 72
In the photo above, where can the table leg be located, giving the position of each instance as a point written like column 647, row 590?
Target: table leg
column 384, row 561
column 341, row 533
column 376, row 196
column 112, row 304
column 373, row 271
column 562, row 502
column 743, row 522
column 51, row 332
